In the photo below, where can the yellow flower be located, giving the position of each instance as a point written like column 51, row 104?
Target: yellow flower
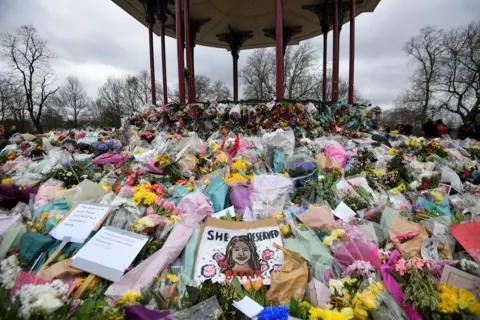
column 339, row 233
column 448, row 302
column 474, row 309
column 392, row 151
column 318, row 314
column 222, row 158
column 172, row 278
column 150, row 198
column 360, row 313
column 7, row 181
column 465, row 298
column 438, row 197
column 347, row 312
column 239, row 165
column 394, row 132
column 328, row 241
column 34, row 230
column 189, row 189
column 305, row 306
column 285, row 229
column 130, row 297
column 378, row 172
column 173, row 219
column 277, row 215
column 401, row 187
column 237, row 177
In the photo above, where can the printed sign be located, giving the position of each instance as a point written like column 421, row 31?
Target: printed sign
column 445, row 187
column 78, row 224
column 238, row 249
column 109, row 253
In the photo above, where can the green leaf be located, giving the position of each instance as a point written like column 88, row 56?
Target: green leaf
column 295, row 308
column 238, row 287
column 84, row 310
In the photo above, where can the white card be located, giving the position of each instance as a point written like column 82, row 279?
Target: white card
column 344, row 212
column 224, row 212
column 109, row 253
column 248, row 307
column 80, row 222
column 454, row 277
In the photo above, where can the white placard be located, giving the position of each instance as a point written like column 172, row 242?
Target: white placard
column 248, row 307
column 344, row 212
column 109, row 253
column 224, row 212
column 80, row 222
column 454, row 277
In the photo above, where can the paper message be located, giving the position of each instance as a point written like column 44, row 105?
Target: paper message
column 109, row 253
column 80, row 222
column 344, row 212
column 248, row 307
column 224, row 213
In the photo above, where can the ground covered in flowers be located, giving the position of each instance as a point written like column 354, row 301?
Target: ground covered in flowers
column 335, row 218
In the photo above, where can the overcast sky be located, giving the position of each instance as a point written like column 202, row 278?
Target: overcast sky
column 94, row 39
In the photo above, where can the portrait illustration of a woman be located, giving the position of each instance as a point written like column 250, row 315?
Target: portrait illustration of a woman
column 242, row 254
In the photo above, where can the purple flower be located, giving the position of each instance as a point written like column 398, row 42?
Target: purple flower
column 359, row 267
column 307, row 166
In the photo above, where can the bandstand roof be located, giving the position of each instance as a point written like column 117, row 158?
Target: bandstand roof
column 258, row 16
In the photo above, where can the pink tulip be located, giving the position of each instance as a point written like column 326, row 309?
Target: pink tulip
column 168, row 205
column 176, row 212
column 159, row 201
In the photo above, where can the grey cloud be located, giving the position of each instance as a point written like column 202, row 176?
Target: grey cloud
column 94, row 39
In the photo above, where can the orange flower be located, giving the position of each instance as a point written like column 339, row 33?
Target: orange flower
column 256, row 285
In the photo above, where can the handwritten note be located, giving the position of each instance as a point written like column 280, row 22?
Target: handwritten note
column 454, row 277
column 109, row 253
column 80, row 222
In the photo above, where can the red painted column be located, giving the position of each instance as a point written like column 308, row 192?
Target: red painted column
column 178, row 28
column 152, row 61
column 188, row 49
column 351, row 71
column 164, row 64
column 335, row 70
column 279, row 47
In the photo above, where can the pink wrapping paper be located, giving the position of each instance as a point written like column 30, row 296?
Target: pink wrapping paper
column 110, row 157
column 193, row 209
column 394, row 287
column 80, row 135
column 337, row 153
column 150, row 166
column 24, row 278
column 346, row 254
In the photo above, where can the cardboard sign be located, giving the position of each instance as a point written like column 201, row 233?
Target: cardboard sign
column 238, row 249
column 109, row 253
column 78, row 224
column 454, row 277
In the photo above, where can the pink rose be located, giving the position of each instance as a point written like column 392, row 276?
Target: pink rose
column 218, row 256
column 208, row 270
column 267, row 254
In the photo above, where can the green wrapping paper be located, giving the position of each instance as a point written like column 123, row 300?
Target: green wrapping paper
column 32, row 244
column 11, row 240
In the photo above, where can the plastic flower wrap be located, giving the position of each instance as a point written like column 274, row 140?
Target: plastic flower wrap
column 374, row 302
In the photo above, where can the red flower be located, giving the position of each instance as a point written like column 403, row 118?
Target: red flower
column 222, row 264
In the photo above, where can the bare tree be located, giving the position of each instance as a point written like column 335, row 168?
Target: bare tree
column 28, row 56
column 5, row 97
column 72, row 98
column 258, row 76
column 425, row 51
column 137, row 92
column 205, row 90
column 459, row 81
column 302, row 77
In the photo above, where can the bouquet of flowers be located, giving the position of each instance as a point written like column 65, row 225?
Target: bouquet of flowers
column 147, row 136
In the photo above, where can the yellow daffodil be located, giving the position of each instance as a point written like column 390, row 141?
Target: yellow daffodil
column 392, row 151
column 7, row 181
column 347, row 312
column 465, row 298
column 172, row 278
column 328, row 241
column 277, row 215
column 339, row 233
column 222, row 158
column 130, row 297
column 239, row 165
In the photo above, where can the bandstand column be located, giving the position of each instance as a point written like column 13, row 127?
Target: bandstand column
column 150, row 18
column 335, row 71
column 324, row 23
column 279, row 48
column 162, row 17
column 351, row 71
column 179, row 35
column 189, row 52
column 235, row 41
